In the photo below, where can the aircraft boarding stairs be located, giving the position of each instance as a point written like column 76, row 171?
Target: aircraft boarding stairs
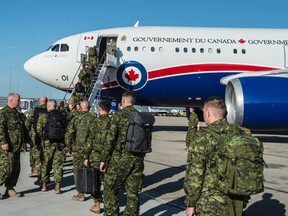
column 97, row 82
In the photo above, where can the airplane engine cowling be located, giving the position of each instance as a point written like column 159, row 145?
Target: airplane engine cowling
column 258, row 102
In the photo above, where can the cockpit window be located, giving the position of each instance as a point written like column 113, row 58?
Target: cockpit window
column 64, row 48
column 55, row 48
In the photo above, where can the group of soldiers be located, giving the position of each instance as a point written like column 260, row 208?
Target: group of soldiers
column 91, row 140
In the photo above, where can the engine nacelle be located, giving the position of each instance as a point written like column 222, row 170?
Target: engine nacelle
column 258, row 102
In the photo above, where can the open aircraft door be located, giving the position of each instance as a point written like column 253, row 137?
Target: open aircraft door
column 87, row 40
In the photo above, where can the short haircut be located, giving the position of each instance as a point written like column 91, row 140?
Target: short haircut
column 52, row 103
column 130, row 95
column 217, row 106
column 13, row 95
column 105, row 105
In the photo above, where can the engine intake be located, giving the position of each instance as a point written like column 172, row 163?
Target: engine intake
column 258, row 102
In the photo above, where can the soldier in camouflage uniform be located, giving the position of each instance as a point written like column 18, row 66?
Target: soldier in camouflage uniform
column 101, row 129
column 79, row 136
column 54, row 152
column 36, row 154
column 13, row 134
column 125, row 168
column 85, row 76
column 112, row 47
column 192, row 128
column 202, row 193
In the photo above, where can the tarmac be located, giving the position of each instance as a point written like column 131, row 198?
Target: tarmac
column 162, row 192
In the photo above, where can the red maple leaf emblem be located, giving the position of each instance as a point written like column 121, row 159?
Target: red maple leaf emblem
column 242, row 41
column 131, row 75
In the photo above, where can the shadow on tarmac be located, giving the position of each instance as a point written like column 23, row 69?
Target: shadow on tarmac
column 165, row 188
column 266, row 206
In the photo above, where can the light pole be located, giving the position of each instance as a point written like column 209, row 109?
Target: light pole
column 10, row 80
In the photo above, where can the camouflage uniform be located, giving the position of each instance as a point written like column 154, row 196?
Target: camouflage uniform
column 200, row 183
column 124, row 168
column 79, row 136
column 101, row 128
column 54, row 153
column 14, row 133
column 112, row 48
column 85, row 76
column 36, row 154
column 192, row 127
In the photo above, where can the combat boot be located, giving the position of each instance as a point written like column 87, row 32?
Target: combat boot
column 79, row 197
column 12, row 193
column 57, row 188
column 44, row 187
column 95, row 208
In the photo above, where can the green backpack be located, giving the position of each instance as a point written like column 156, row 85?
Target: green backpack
column 239, row 164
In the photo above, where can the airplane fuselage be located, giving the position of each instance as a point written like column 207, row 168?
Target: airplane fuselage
column 167, row 66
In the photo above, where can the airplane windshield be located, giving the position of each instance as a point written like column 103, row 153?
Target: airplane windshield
column 55, row 48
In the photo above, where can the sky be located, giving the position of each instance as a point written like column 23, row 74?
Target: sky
column 28, row 27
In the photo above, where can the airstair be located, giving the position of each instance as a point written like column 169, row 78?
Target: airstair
column 97, row 82
column 106, row 63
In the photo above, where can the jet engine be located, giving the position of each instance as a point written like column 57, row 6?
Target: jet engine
column 258, row 102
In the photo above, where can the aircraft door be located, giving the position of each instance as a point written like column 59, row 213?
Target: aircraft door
column 286, row 56
column 86, row 40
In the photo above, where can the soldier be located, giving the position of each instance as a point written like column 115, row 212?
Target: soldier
column 85, row 77
column 79, row 92
column 54, row 151
column 13, row 134
column 80, row 129
column 200, row 185
column 192, row 128
column 112, row 47
column 36, row 154
column 94, row 158
column 125, row 168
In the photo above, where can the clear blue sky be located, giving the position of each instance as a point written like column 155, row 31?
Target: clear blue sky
column 28, row 27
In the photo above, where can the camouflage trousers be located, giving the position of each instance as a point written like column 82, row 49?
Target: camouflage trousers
column 128, row 172
column 36, row 158
column 212, row 204
column 9, row 168
column 52, row 155
column 78, row 162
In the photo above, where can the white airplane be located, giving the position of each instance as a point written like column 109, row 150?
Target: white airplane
column 183, row 66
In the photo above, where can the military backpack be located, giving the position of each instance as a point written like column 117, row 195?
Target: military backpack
column 55, row 126
column 139, row 132
column 239, row 164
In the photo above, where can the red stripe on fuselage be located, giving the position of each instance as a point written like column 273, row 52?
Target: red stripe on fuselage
column 204, row 68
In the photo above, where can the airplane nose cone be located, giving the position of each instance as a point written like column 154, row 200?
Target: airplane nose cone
column 30, row 67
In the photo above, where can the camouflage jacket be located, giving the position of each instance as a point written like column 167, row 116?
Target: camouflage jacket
column 101, row 129
column 116, row 136
column 12, row 129
column 30, row 121
column 192, row 124
column 80, row 133
column 200, row 175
